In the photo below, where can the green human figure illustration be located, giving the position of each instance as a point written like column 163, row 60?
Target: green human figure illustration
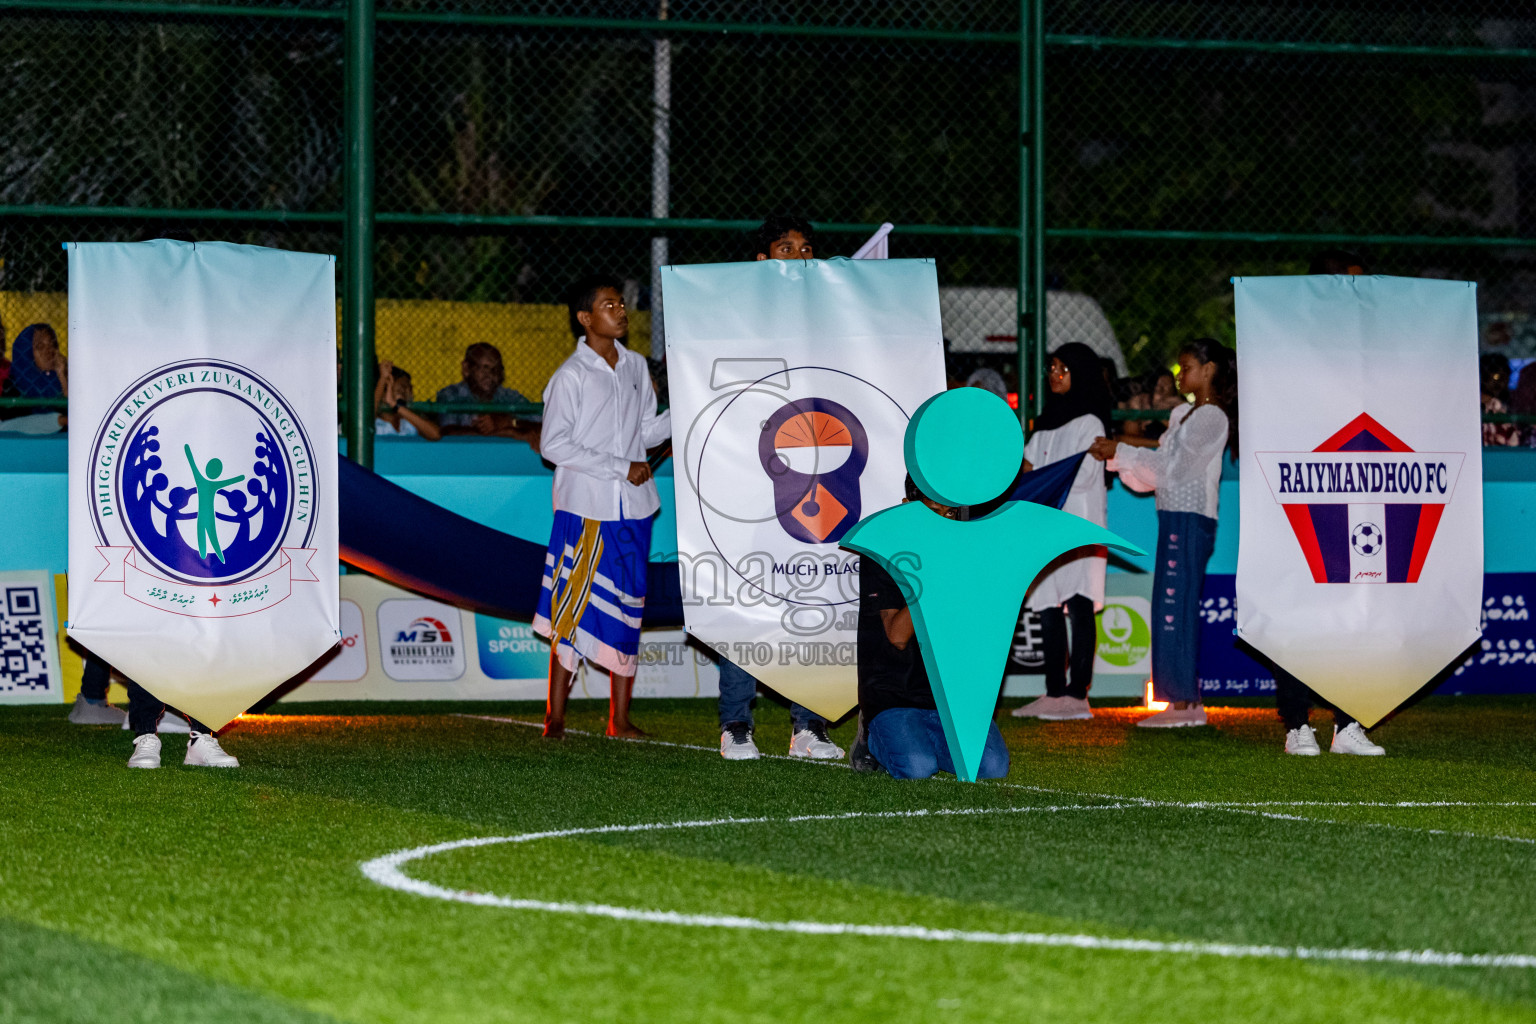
column 967, row 580
column 207, row 489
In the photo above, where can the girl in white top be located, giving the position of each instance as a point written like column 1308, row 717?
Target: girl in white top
column 1184, row 468
column 1076, row 413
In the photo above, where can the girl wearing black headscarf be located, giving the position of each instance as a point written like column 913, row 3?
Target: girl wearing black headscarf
column 1076, row 412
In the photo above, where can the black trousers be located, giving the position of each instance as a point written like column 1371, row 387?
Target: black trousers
column 1053, row 630
column 144, row 708
column 1294, row 698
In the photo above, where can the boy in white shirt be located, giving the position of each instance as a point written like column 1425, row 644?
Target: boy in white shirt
column 600, row 416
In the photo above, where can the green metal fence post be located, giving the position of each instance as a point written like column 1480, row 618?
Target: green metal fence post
column 357, row 246
column 1032, row 207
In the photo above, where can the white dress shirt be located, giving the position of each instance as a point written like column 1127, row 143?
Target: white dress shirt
column 1185, row 467
column 597, row 421
column 1081, row 572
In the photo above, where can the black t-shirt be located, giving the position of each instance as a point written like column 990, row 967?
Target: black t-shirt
column 888, row 677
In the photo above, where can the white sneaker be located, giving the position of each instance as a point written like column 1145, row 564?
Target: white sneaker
column 146, row 752
column 204, row 752
column 736, row 743
column 812, row 742
column 1068, row 709
column 170, row 721
column 1175, row 718
column 1352, row 740
column 1302, row 742
column 85, row 712
column 1036, row 708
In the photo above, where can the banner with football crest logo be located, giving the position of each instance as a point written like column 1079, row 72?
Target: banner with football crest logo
column 791, row 385
column 1360, row 561
column 202, row 466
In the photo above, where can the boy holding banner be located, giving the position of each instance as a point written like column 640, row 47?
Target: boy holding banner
column 777, row 238
column 600, row 416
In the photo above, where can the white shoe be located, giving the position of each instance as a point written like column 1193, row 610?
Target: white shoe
column 146, row 752
column 1302, row 742
column 1175, row 718
column 169, row 722
column 1036, row 708
column 1352, row 740
column 736, row 743
column 812, row 742
column 85, row 712
column 204, row 752
column 1068, row 709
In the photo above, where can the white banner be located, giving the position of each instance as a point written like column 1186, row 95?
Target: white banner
column 202, row 466
column 1360, row 561
column 791, row 385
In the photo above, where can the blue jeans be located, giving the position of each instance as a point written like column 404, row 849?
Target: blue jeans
column 909, row 743
column 1184, row 543
column 738, row 689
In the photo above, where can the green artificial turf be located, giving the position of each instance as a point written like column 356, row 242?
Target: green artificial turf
column 237, row 896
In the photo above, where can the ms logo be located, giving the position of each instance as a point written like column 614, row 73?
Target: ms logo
column 425, row 630
column 814, row 450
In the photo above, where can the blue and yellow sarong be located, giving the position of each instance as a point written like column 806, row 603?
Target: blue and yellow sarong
column 594, row 591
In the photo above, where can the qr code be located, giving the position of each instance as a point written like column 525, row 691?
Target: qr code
column 23, row 643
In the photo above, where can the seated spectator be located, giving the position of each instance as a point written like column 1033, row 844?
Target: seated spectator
column 37, row 370
column 1131, row 394
column 483, row 373
column 1523, row 401
column 1495, row 385
column 392, row 397
column 988, row 379
column 899, row 721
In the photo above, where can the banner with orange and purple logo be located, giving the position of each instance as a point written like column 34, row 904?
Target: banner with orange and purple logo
column 791, row 385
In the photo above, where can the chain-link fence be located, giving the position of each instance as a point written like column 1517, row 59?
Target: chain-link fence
column 520, row 145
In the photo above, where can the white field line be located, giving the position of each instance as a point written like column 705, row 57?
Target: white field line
column 1250, row 808
column 387, row 871
column 1253, row 809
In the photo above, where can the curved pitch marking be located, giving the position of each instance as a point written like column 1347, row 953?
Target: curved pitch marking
column 386, row 871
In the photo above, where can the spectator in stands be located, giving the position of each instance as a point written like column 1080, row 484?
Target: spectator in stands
column 778, row 238
column 1184, row 468
column 392, row 397
column 896, row 706
column 1523, row 401
column 988, row 379
column 600, row 416
column 38, row 370
column 483, row 375
column 1076, row 412
column 1494, row 371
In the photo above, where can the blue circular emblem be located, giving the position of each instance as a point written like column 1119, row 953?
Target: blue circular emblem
column 204, row 469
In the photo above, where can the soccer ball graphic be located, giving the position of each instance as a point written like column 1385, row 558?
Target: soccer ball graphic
column 1367, row 539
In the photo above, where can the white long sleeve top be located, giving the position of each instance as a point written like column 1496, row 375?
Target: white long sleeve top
column 1185, row 468
column 1082, row 572
column 597, row 421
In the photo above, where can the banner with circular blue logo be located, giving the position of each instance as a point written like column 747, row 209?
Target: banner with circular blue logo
column 203, row 520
